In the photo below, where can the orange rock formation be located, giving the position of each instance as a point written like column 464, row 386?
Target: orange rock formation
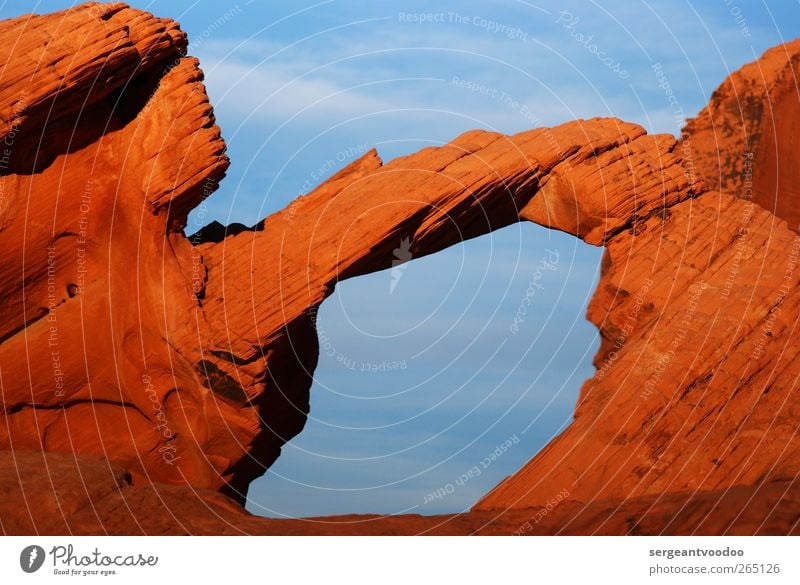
column 170, row 370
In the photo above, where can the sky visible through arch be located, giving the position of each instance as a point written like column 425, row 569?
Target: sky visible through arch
column 422, row 377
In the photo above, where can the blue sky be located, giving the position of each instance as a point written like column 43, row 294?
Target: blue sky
column 421, row 377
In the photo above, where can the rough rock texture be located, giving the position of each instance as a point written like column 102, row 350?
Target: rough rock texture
column 176, row 368
column 696, row 381
column 110, row 141
column 56, row 493
column 434, row 198
column 743, row 142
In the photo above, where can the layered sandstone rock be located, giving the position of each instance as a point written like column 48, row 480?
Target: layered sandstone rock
column 744, row 141
column 109, row 142
column 176, row 368
column 595, row 178
column 696, row 380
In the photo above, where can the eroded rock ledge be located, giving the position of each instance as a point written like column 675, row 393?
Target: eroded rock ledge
column 176, row 371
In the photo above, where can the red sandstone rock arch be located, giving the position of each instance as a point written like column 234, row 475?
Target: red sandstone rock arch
column 186, row 362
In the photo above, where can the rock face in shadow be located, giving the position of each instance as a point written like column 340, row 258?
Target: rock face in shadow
column 170, row 370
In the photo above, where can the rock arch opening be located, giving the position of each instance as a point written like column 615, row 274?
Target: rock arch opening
column 440, row 376
column 604, row 181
